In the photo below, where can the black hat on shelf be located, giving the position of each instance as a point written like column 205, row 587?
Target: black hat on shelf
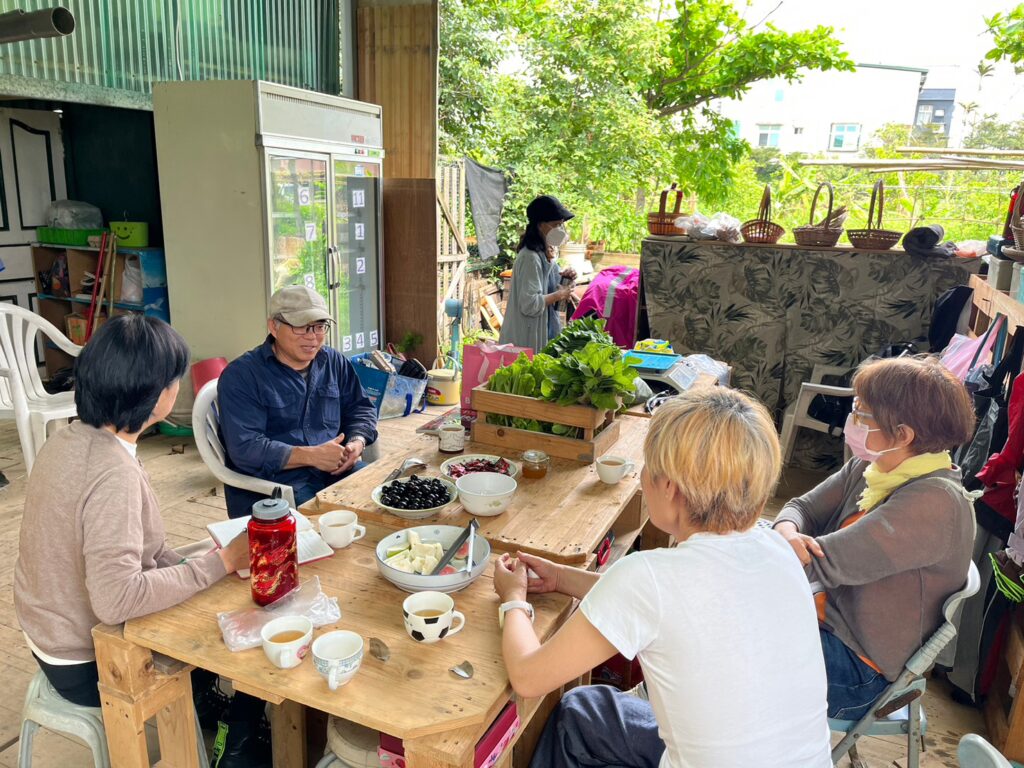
column 547, row 208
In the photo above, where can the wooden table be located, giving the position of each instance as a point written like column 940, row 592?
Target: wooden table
column 412, row 696
column 563, row 516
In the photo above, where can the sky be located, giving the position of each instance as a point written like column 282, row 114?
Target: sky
column 945, row 37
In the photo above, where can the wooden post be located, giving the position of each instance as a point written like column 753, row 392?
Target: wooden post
column 131, row 692
column 397, row 43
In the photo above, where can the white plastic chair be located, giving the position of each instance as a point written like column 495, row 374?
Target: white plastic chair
column 796, row 415
column 45, row 708
column 22, row 395
column 898, row 710
column 975, row 752
column 205, row 424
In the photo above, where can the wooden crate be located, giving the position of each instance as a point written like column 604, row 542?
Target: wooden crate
column 594, row 443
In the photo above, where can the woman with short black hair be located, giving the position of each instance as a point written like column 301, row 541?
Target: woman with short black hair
column 92, row 547
column 531, row 312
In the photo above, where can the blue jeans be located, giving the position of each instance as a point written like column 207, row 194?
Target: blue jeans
column 308, row 485
column 853, row 686
column 596, row 725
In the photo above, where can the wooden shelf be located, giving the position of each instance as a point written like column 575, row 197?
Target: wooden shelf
column 82, row 259
column 77, row 300
column 988, row 302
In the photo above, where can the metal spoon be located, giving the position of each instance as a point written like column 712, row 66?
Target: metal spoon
column 463, row 670
column 406, row 466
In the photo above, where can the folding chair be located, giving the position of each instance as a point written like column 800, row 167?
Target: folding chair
column 898, row 710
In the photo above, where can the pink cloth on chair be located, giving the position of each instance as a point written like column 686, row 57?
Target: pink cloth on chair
column 614, row 294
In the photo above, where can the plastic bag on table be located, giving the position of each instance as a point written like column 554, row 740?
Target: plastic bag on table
column 693, row 225
column 241, row 628
column 971, row 249
column 723, row 227
column 73, row 214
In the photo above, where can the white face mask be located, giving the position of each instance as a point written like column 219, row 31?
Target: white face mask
column 555, row 237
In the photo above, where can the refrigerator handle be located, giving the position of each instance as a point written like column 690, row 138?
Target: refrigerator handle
column 329, row 272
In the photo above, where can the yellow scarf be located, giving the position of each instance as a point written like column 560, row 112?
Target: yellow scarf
column 881, row 484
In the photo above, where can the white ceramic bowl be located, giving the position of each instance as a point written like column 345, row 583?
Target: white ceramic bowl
column 486, row 493
column 446, row 465
column 415, row 582
column 414, row 514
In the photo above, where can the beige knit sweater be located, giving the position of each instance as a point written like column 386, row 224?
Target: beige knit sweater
column 92, row 546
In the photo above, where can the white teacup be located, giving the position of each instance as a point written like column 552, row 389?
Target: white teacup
column 337, row 656
column 611, row 469
column 286, row 640
column 340, row 529
column 429, row 616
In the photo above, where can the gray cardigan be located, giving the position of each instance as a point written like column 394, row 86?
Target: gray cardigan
column 887, row 575
column 526, row 312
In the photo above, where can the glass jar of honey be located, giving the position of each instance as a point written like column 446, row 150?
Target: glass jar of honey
column 535, row 464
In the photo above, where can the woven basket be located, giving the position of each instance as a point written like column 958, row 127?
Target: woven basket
column 874, row 237
column 762, row 229
column 1016, row 227
column 662, row 223
column 823, row 234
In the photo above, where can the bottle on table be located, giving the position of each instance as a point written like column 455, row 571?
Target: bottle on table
column 273, row 550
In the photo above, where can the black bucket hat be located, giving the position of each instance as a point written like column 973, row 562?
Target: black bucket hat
column 547, row 208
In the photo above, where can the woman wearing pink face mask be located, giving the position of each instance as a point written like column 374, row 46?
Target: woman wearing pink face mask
column 887, row 538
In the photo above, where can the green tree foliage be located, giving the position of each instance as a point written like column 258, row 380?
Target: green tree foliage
column 1007, row 30
column 970, row 204
column 989, row 133
column 601, row 102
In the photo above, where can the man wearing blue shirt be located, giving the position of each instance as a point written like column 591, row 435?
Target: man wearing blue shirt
column 292, row 411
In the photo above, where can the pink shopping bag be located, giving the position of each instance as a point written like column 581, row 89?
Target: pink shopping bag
column 963, row 353
column 480, row 360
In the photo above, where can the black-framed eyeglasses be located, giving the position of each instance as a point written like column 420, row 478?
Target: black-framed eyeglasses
column 317, row 329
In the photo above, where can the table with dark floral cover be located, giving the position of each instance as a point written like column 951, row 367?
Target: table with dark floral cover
column 774, row 311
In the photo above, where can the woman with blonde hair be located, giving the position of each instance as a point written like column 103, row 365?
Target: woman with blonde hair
column 717, row 621
column 888, row 537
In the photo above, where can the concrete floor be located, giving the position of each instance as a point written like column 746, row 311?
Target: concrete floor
column 190, row 497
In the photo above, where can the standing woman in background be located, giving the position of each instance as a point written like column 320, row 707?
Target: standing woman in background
column 531, row 314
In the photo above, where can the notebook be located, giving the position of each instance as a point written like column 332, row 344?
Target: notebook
column 309, row 543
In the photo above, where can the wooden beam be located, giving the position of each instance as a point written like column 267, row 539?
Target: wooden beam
column 450, row 220
column 962, row 151
column 397, row 44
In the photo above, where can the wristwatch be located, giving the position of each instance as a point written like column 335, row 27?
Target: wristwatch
column 512, row 605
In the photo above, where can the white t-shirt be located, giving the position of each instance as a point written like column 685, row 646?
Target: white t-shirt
column 725, row 630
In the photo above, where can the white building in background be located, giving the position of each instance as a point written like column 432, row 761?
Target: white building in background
column 826, row 111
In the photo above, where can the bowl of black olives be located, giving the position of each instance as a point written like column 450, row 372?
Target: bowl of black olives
column 415, row 497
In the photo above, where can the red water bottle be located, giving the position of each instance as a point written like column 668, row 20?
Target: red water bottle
column 273, row 553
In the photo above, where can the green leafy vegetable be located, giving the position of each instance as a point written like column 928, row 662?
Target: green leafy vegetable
column 576, row 335
column 581, row 366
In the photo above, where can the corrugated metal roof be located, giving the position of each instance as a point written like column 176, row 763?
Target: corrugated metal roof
column 125, row 46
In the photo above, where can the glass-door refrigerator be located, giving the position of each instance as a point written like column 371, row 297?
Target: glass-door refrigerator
column 300, row 204
column 324, row 234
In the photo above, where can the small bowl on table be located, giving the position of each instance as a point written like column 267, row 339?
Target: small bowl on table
column 486, row 494
column 446, row 535
column 413, row 514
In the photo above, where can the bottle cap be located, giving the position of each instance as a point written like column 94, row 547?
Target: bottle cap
column 270, row 509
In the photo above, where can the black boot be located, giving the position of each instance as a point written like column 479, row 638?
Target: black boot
column 211, row 703
column 236, row 746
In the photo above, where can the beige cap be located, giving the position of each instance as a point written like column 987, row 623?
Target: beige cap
column 299, row 306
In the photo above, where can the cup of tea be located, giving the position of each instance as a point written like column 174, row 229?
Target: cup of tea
column 611, row 469
column 286, row 640
column 337, row 656
column 429, row 617
column 339, row 529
